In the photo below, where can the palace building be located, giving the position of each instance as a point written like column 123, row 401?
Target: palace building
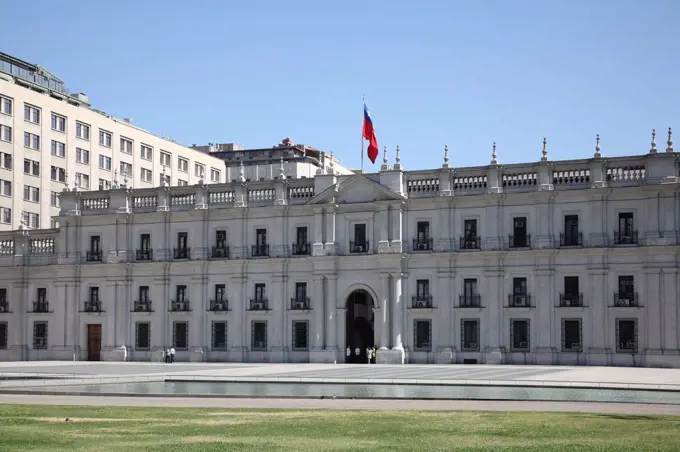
column 547, row 262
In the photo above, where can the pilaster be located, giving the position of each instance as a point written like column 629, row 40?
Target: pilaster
column 444, row 349
column 493, row 351
column 545, row 306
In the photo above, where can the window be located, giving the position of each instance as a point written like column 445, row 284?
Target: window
column 261, row 237
column 104, row 162
column 83, row 181
column 58, row 149
column 360, row 235
column 105, row 138
column 31, row 219
column 423, row 241
column 82, row 131
column 301, row 292
column 470, row 334
column 519, row 286
column 6, row 160
column 54, row 224
column 125, row 169
column 182, row 183
column 571, row 335
column 571, row 236
column 95, row 243
column 147, row 175
column 626, row 233
column 3, row 335
column 301, row 235
column 519, row 233
column 142, row 336
column 199, row 170
column 166, row 159
column 104, row 184
column 470, row 227
column 183, row 165
column 214, row 175
column 40, row 335
column 220, row 292
column 423, row 288
column 94, row 294
column 422, row 335
column 260, row 291
column 6, row 133
column 469, row 297
column 82, row 156
column 219, row 335
column 182, row 240
column 5, row 105
column 6, row 215
column 146, row 152
column 519, row 335
column 181, row 293
column 626, row 285
column 31, row 141
column 31, row 114
column 258, row 335
column 626, row 335
column 58, row 123
column 144, row 294
column 31, row 167
column 126, row 145
column 54, row 199
column 300, row 335
column 180, row 335
column 31, row 193
column 5, row 188
column 41, row 294
column 145, row 242
column 57, row 174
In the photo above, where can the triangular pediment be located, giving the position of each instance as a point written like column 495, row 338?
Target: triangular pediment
column 355, row 190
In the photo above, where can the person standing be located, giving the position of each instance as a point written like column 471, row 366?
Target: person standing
column 369, row 352
column 172, row 354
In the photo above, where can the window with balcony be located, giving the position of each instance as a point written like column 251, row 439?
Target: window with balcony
column 144, row 253
column 301, row 245
column 82, row 131
column 423, row 241
column 519, row 335
column 261, row 247
column 519, row 296
column 94, row 304
column 258, row 335
column 181, row 293
column 422, row 335
column 300, row 335
column 143, row 304
column 470, row 239
column 470, row 334
column 4, row 302
column 5, row 133
column 571, row 335
column 360, row 243
column 626, row 336
column 572, row 236
column 180, row 335
column 31, row 114
column 220, row 250
column 219, row 335
column 40, row 303
column 626, row 235
column 94, row 254
column 519, row 237
column 626, row 296
column 423, row 298
column 300, row 301
column 40, row 335
column 470, row 297
column 181, row 301
column 58, row 123
column 572, row 295
column 259, row 302
column 182, row 251
column 126, row 145
column 220, row 292
column 142, row 335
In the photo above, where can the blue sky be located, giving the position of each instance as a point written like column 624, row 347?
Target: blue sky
column 462, row 73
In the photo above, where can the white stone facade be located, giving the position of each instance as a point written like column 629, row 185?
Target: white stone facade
column 571, row 262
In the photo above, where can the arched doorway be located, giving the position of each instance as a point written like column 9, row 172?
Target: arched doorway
column 359, row 325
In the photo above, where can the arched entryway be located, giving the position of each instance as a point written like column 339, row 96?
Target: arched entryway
column 359, row 325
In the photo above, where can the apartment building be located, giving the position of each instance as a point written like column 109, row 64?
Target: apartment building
column 51, row 139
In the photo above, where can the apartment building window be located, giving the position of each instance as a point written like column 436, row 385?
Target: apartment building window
column 125, row 169
column 166, row 159
column 126, row 145
column 105, row 138
column 146, row 175
column 40, row 335
column 31, row 193
column 6, row 215
column 104, row 184
column 219, row 335
column 519, row 334
column 300, row 335
column 626, row 336
column 6, row 160
column 31, row 141
column 31, row 114
column 214, row 175
column 31, row 167
column 31, row 219
column 182, row 183
column 5, row 188
column 54, row 224
column 258, row 335
column 422, row 335
column 57, row 174
column 571, row 335
column 82, row 131
column 54, row 199
column 58, row 149
column 104, row 162
column 83, row 181
column 6, row 133
column 58, row 123
column 6, row 105
column 199, row 170
column 180, row 335
column 3, row 335
column 146, row 152
column 82, row 156
column 142, row 335
column 470, row 334
column 183, row 165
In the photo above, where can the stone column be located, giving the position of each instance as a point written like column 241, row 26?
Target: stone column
column 318, row 307
column 278, row 306
column 442, row 302
column 599, row 297
column 543, row 300
column 237, row 324
column 384, row 319
column 331, row 314
column 493, row 302
column 397, row 351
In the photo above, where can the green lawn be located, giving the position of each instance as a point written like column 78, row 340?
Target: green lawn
column 43, row 428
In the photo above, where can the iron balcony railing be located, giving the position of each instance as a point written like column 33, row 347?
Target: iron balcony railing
column 470, row 301
column 93, row 256
column 626, row 237
column 571, row 239
column 571, row 299
column 261, row 250
column 142, row 306
column 301, row 249
column 41, row 306
column 92, row 306
column 144, row 255
column 220, row 252
column 470, row 242
column 181, row 305
column 4, row 306
column 218, row 305
column 519, row 300
column 300, row 303
column 421, row 301
column 361, row 247
column 626, row 299
column 422, row 244
column 181, row 253
column 259, row 304
column 519, row 241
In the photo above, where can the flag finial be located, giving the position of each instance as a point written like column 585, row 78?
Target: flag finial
column 494, row 161
column 597, row 146
column 545, row 150
column 669, row 143
column 446, row 156
column 652, row 150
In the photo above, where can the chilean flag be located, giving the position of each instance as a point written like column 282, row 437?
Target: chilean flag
column 369, row 134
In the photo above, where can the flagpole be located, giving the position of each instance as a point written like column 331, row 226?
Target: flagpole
column 362, row 133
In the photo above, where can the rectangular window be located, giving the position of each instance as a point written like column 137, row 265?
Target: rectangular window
column 126, row 145
column 82, row 131
column 31, row 219
column 181, row 293
column 214, row 175
column 3, row 335
column 470, row 334
column 125, row 169
column 142, row 336
column 40, row 335
column 260, row 237
column 31, row 167
column 6, row 105
column 519, row 286
column 147, row 175
column 180, row 335
column 6, row 133
column 258, row 335
column 199, row 171
column 144, row 294
column 104, row 162
column 422, row 288
column 301, row 291
column 220, row 292
column 145, row 242
column 422, row 332
column 31, row 141
column 423, row 231
column 6, row 160
column 183, row 165
column 31, row 114
column 219, row 335
column 5, row 188
column 182, row 183
column 519, row 335
column 301, row 235
column 572, row 235
column 571, row 286
column 41, row 294
column 626, row 286
column 58, row 149
column 519, row 232
column 220, row 239
column 6, row 215
column 104, row 184
column 359, row 238
column 54, row 224
column 182, row 240
column 260, row 291
column 146, row 152
column 58, row 123
column 571, row 335
column 470, row 227
column 31, row 193
column 626, row 336
column 166, row 159
column 105, row 138
column 57, row 174
column 82, row 156
column 300, row 335
column 83, row 181
column 626, row 228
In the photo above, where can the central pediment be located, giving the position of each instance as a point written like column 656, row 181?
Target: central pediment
column 355, row 190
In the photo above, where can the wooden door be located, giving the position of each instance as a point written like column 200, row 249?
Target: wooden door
column 94, row 342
